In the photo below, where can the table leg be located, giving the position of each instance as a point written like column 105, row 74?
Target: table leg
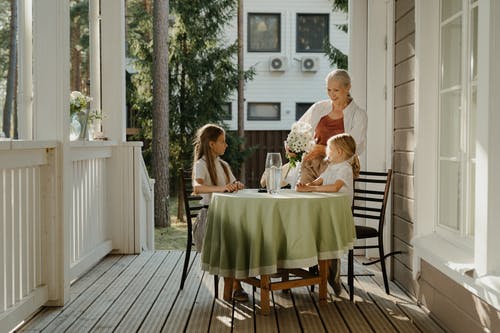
column 323, row 274
column 228, row 289
column 264, row 294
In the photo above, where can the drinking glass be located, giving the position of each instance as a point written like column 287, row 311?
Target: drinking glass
column 273, row 169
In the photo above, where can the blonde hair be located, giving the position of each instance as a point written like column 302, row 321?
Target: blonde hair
column 340, row 75
column 204, row 135
column 346, row 143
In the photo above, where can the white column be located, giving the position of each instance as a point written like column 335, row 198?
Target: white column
column 113, row 69
column 95, row 55
column 51, row 68
column 487, row 226
column 51, row 63
column 25, row 68
column 358, row 36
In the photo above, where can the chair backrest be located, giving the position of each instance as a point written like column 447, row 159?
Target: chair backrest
column 192, row 204
column 371, row 190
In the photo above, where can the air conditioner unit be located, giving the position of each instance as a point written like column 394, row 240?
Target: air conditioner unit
column 277, row 64
column 309, row 64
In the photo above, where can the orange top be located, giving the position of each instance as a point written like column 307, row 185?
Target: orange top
column 328, row 127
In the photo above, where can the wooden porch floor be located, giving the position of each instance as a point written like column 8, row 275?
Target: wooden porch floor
column 140, row 293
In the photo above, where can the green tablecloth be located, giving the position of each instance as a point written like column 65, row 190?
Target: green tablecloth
column 251, row 233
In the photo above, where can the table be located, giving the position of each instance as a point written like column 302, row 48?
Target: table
column 252, row 234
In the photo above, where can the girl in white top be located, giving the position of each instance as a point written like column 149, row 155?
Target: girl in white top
column 212, row 174
column 343, row 167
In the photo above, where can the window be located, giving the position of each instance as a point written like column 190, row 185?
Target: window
column 264, row 111
column 312, row 31
column 300, row 109
column 457, row 114
column 227, row 111
column 264, row 32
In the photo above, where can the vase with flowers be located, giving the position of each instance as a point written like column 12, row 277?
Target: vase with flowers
column 79, row 112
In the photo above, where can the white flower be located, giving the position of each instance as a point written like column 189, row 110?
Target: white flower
column 300, row 140
column 78, row 102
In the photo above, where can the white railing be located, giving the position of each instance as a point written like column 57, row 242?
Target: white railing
column 25, row 187
column 63, row 208
column 90, row 239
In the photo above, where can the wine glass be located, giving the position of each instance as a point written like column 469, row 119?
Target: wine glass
column 273, row 169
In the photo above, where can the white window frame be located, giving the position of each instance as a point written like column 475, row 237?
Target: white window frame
column 476, row 269
column 461, row 236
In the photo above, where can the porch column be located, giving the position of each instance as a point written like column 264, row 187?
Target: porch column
column 51, row 71
column 113, row 69
column 25, row 68
column 95, row 55
column 358, row 37
column 51, row 67
column 487, row 213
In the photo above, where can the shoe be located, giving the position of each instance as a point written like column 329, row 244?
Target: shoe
column 240, row 295
column 334, row 276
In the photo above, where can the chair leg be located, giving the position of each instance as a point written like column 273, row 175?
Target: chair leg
column 216, row 286
column 186, row 263
column 382, row 264
column 350, row 274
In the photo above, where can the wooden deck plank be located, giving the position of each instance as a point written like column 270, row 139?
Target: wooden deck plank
column 286, row 315
column 181, row 309
column 91, row 315
column 160, row 310
column 264, row 323
column 308, row 315
column 114, row 314
column 373, row 314
column 140, row 308
column 243, row 320
column 202, row 309
column 407, row 304
column 130, row 294
column 48, row 314
column 388, row 304
column 71, row 312
column 353, row 317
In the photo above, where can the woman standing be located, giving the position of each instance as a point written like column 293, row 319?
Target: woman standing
column 338, row 114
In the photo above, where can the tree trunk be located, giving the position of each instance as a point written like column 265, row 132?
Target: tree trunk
column 76, row 79
column 11, row 78
column 160, row 140
column 241, row 88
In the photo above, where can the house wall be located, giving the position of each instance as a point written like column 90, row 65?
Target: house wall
column 453, row 305
column 403, row 217
column 291, row 85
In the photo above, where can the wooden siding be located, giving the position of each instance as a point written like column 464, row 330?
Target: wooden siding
column 140, row 293
column 403, row 210
column 455, row 306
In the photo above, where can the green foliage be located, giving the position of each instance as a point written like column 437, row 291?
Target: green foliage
column 4, row 50
column 337, row 58
column 203, row 74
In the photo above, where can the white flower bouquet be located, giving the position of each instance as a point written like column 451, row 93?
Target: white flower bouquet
column 300, row 140
column 78, row 102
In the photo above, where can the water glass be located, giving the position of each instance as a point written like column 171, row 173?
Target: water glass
column 273, row 170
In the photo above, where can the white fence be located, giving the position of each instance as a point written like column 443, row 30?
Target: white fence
column 61, row 211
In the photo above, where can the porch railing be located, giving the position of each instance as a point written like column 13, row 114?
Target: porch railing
column 26, row 184
column 62, row 208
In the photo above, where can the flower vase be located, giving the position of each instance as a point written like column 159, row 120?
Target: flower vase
column 83, row 119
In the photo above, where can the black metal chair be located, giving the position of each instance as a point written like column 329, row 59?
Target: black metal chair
column 371, row 190
column 192, row 207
